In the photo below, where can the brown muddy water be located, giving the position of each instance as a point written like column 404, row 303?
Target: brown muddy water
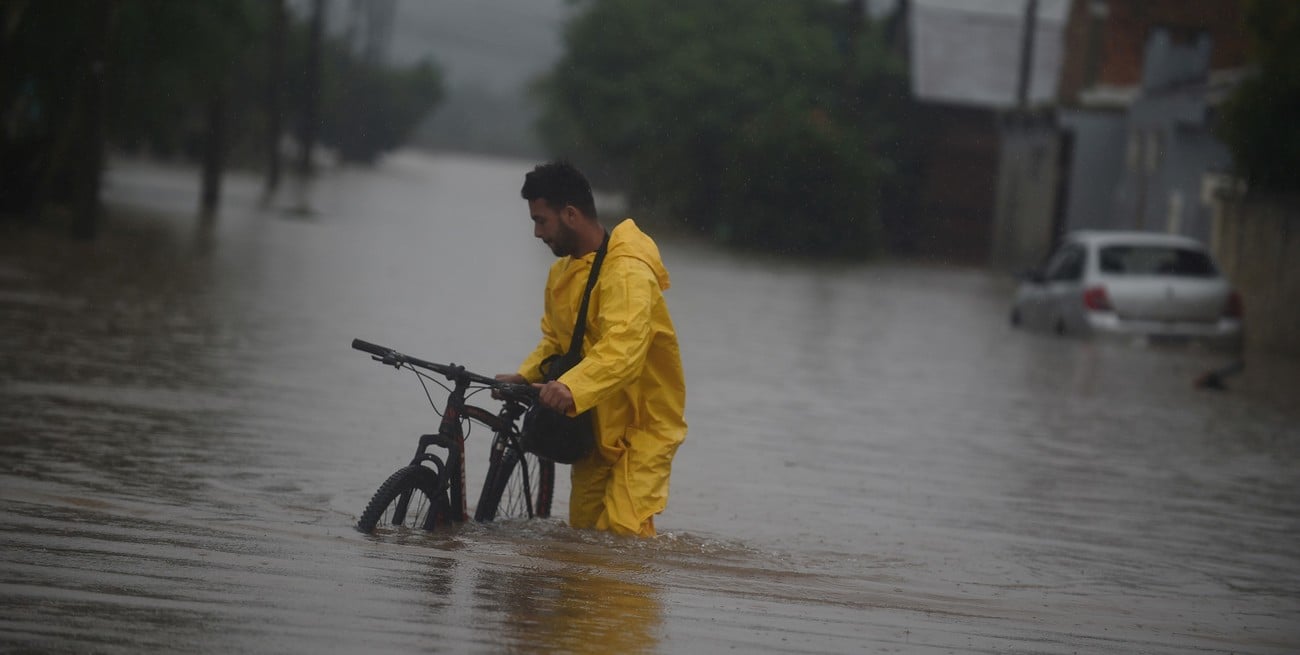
column 876, row 462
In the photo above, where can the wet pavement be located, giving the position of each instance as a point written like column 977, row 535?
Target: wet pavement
column 876, row 461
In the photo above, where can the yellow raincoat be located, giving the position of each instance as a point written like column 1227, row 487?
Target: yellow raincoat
column 631, row 374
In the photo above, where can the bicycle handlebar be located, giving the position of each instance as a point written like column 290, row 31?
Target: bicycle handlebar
column 517, row 391
column 378, row 351
column 451, row 371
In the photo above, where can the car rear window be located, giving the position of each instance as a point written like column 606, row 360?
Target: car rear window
column 1156, row 260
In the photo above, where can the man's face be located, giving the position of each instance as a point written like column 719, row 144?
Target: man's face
column 552, row 226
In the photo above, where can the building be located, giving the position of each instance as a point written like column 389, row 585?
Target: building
column 1101, row 116
column 965, row 59
column 1134, row 120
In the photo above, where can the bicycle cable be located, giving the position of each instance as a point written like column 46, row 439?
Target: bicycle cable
column 422, row 377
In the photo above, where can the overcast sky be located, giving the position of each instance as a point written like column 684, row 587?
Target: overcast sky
column 496, row 44
column 489, row 51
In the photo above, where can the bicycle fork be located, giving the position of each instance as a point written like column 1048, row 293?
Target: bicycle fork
column 450, row 491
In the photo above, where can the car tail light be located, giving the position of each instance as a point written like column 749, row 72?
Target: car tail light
column 1233, row 308
column 1095, row 299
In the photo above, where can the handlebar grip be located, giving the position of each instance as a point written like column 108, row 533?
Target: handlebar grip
column 373, row 349
column 521, row 391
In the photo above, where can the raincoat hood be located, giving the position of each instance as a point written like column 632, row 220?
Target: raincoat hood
column 627, row 240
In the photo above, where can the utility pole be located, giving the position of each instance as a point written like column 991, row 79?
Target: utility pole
column 1026, row 54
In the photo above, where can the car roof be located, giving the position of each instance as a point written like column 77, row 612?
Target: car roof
column 1132, row 237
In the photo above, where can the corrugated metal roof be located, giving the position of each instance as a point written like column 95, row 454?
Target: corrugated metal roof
column 967, row 52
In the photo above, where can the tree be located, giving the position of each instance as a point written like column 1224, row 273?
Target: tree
column 53, row 72
column 170, row 58
column 309, row 101
column 169, row 79
column 1261, row 121
column 760, row 123
column 133, row 72
column 193, row 66
column 275, row 93
column 372, row 109
column 366, row 108
column 91, row 155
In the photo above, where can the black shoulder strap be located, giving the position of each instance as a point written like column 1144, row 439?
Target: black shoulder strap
column 580, row 329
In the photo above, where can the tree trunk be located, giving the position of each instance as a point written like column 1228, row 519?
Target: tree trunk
column 214, row 153
column 311, row 102
column 855, row 21
column 85, row 222
column 274, row 108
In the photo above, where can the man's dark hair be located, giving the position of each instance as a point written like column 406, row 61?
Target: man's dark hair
column 559, row 183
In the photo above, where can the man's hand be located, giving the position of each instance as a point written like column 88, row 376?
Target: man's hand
column 510, row 378
column 555, row 395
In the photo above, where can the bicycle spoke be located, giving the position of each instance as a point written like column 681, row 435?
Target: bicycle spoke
column 407, row 499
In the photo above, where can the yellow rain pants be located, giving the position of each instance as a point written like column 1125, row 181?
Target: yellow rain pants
column 630, row 374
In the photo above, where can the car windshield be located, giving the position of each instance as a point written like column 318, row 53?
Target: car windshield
column 1156, row 260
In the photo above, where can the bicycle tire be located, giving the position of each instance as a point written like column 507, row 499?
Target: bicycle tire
column 503, row 487
column 427, row 505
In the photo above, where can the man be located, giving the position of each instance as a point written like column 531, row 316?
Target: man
column 631, row 371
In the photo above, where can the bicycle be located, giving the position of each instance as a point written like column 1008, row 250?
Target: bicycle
column 429, row 493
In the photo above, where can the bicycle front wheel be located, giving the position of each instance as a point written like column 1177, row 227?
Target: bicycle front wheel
column 514, row 479
column 410, row 498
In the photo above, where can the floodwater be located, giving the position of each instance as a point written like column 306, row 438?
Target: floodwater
column 876, row 462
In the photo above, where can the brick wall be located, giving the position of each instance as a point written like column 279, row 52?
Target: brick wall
column 1114, row 54
column 1130, row 21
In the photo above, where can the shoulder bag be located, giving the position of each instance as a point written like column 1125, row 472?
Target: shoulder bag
column 546, row 432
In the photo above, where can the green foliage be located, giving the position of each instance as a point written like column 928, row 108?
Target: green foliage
column 42, row 76
column 1261, row 121
column 170, row 58
column 166, row 62
column 369, row 109
column 761, row 123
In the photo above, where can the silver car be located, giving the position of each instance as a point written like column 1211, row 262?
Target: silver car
column 1159, row 287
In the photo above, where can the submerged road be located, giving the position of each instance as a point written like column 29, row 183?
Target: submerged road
column 876, row 461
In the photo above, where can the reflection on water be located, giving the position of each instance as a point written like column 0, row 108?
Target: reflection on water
column 876, row 461
column 573, row 601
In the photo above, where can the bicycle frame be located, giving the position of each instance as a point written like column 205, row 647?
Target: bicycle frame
column 451, row 503
column 451, row 435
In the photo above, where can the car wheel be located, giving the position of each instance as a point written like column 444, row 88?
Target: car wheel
column 1016, row 320
column 1059, row 327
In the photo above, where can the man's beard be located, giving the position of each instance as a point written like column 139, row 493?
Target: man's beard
column 565, row 242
